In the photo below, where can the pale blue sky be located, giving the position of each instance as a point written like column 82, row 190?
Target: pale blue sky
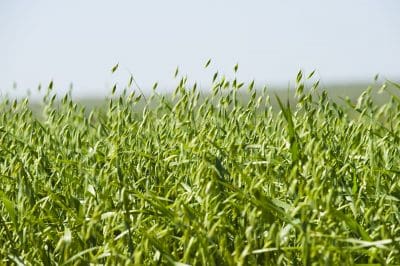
column 80, row 40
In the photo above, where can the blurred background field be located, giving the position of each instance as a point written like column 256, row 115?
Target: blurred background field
column 337, row 92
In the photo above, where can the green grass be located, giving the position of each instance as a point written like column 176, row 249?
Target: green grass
column 202, row 179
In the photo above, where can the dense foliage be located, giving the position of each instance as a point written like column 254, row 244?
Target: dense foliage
column 201, row 179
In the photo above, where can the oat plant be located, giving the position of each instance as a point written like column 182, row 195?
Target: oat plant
column 230, row 175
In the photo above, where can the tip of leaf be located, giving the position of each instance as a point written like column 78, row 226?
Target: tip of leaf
column 176, row 72
column 155, row 85
column 299, row 76
column 114, row 68
column 311, row 74
column 235, row 68
column 208, row 63
column 51, row 85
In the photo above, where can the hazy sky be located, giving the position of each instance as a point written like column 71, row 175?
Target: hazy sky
column 79, row 41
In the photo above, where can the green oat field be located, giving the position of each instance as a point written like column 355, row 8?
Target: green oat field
column 202, row 177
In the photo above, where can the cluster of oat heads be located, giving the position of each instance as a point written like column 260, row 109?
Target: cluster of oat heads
column 201, row 178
